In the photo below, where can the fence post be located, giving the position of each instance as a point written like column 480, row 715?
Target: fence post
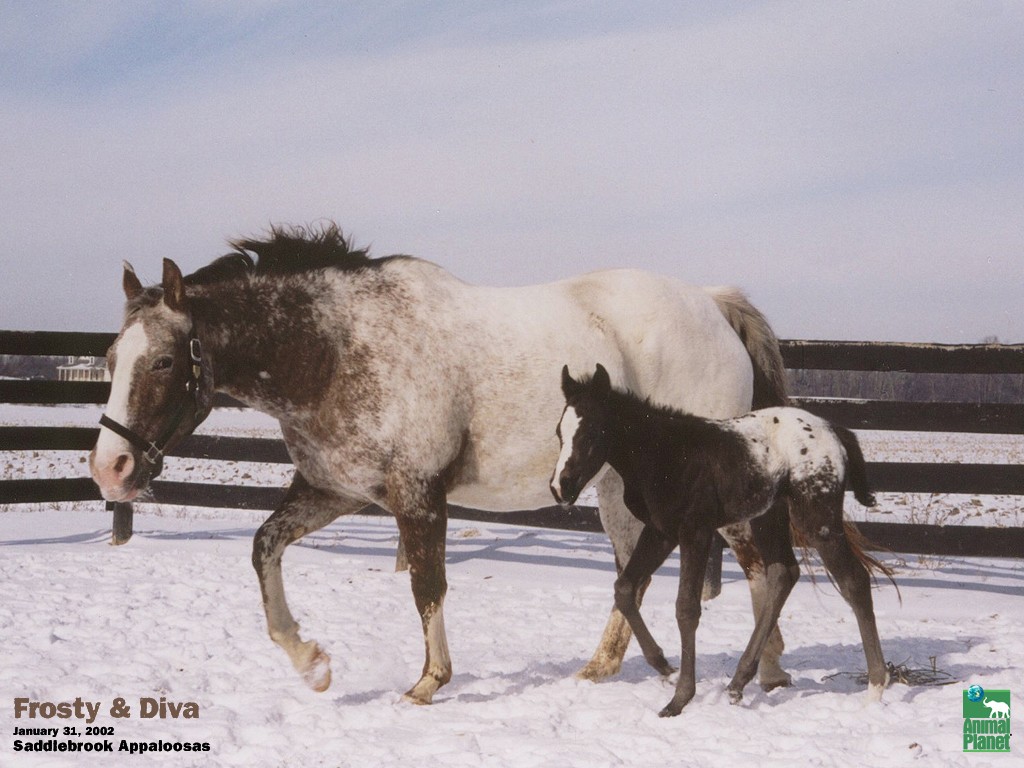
column 121, row 529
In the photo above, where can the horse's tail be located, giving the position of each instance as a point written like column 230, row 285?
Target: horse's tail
column 761, row 343
column 856, row 471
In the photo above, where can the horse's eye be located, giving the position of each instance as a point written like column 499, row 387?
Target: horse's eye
column 163, row 363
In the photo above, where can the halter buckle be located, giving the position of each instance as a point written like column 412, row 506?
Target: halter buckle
column 153, row 453
column 195, row 351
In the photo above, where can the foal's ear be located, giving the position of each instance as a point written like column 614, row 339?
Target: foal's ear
column 174, row 286
column 601, row 382
column 569, row 385
column 130, row 282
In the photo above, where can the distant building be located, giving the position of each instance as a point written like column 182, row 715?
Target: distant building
column 83, row 369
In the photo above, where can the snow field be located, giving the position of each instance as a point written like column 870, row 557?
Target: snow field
column 176, row 613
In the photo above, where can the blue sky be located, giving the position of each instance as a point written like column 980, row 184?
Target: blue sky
column 857, row 168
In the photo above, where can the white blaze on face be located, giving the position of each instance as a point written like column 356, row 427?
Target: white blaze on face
column 132, row 345
column 567, row 430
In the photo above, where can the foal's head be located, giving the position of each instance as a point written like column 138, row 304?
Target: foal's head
column 583, row 433
column 158, row 392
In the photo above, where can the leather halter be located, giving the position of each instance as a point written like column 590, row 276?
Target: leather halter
column 153, row 451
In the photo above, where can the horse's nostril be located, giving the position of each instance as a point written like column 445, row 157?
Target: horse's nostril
column 123, row 464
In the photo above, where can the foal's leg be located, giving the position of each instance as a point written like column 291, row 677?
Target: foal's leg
column 303, row 511
column 854, row 584
column 693, row 557
column 422, row 514
column 624, row 530
column 772, row 537
column 651, row 551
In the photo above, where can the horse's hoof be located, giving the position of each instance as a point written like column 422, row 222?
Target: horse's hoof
column 425, row 688
column 735, row 697
column 419, row 701
column 317, row 673
column 595, row 671
column 421, row 694
column 778, row 682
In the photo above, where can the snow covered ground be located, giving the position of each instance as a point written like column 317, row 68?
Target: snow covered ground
column 176, row 614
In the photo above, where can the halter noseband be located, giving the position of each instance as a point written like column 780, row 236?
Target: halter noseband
column 153, row 451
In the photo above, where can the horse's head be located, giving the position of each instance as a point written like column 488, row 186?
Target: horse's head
column 583, row 434
column 161, row 387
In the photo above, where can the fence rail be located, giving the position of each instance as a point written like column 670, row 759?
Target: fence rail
column 979, row 479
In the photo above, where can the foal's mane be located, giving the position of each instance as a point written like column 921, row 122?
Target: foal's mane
column 622, row 399
column 287, row 250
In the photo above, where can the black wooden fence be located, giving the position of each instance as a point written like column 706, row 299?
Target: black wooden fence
column 959, row 478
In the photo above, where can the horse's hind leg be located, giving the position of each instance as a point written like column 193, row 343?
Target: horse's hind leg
column 422, row 517
column 651, row 551
column 303, row 511
column 854, row 584
column 623, row 530
column 770, row 532
column 740, row 538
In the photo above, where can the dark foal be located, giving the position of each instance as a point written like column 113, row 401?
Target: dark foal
column 686, row 476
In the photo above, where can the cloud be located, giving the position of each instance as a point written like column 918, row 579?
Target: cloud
column 795, row 149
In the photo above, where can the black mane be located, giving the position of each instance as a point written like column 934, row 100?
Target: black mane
column 287, row 250
column 627, row 399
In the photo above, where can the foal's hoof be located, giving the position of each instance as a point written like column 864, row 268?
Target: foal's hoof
column 661, row 666
column 671, row 710
column 317, row 673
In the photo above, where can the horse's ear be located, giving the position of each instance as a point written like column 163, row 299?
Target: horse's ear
column 602, row 382
column 130, row 282
column 174, row 286
column 569, row 385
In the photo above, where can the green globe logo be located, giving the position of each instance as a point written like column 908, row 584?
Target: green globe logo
column 975, row 693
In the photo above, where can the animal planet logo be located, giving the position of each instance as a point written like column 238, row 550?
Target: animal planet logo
column 986, row 720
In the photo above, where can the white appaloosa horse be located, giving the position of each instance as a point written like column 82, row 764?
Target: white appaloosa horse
column 397, row 384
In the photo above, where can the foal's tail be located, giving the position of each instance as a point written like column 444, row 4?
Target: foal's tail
column 859, row 545
column 761, row 343
column 856, row 472
column 857, row 481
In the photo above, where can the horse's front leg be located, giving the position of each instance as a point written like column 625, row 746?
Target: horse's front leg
column 303, row 511
column 694, row 546
column 423, row 524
